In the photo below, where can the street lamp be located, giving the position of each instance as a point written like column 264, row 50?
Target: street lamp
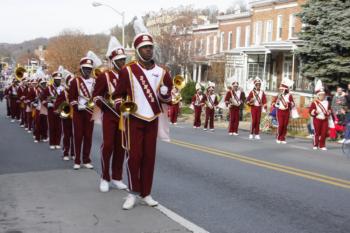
column 122, row 14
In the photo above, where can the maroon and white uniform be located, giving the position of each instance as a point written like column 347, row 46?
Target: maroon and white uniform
column 67, row 126
column 55, row 128
column 14, row 101
column 210, row 101
column 320, row 111
column 41, row 126
column 256, row 100
column 197, row 105
column 80, row 92
column 111, row 147
column 283, row 104
column 234, row 100
column 21, row 97
column 144, row 87
column 174, row 108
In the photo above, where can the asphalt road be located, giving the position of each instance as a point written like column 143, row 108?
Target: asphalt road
column 230, row 184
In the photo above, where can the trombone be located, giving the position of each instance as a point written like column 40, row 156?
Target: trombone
column 89, row 105
column 109, row 104
column 126, row 108
column 98, row 71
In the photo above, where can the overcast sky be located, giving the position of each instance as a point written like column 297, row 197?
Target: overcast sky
column 22, row 20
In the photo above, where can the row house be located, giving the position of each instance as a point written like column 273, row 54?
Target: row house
column 259, row 42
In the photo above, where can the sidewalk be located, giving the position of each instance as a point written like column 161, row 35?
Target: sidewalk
column 68, row 201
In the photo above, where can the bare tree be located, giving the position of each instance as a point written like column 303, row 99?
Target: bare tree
column 67, row 49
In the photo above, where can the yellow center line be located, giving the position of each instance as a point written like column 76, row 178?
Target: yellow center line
column 272, row 166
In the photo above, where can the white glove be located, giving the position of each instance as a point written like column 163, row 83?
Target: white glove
column 163, row 90
column 125, row 114
column 50, row 105
column 81, row 107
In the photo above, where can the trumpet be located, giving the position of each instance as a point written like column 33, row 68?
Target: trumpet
column 19, row 73
column 179, row 82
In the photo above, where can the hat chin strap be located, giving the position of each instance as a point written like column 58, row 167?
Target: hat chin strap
column 141, row 58
column 115, row 65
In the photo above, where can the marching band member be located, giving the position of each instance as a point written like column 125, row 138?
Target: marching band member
column 320, row 110
column 234, row 99
column 62, row 102
column 197, row 105
column 21, row 96
column 111, row 147
column 148, row 85
column 30, row 97
column 283, row 103
column 49, row 97
column 174, row 108
column 210, row 100
column 14, row 104
column 41, row 112
column 8, row 100
column 80, row 97
column 257, row 102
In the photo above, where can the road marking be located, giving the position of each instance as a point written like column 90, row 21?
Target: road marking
column 182, row 221
column 272, row 166
column 299, row 147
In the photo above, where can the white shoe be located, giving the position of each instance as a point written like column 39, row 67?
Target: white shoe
column 251, row 136
column 341, row 141
column 175, row 123
column 58, row 147
column 52, row 147
column 230, row 134
column 314, row 148
column 205, row 129
column 73, row 157
column 104, row 186
column 36, row 141
column 278, row 141
column 25, row 128
column 149, row 201
column 235, row 134
column 76, row 166
column 323, row 148
column 19, row 120
column 212, row 130
column 283, row 142
column 130, row 202
column 194, row 127
column 12, row 121
column 46, row 140
column 119, row 184
column 65, row 158
column 310, row 136
column 88, row 165
column 257, row 137
column 29, row 131
column 33, row 136
column 22, row 126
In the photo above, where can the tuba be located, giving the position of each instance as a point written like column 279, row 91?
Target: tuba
column 19, row 73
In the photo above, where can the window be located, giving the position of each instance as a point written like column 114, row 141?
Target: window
column 268, row 31
column 222, row 41
column 201, row 47
column 247, row 36
column 258, row 30
column 229, row 41
column 238, row 37
column 291, row 30
column 189, row 48
column 287, row 67
column 215, row 46
column 207, row 51
column 279, row 27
